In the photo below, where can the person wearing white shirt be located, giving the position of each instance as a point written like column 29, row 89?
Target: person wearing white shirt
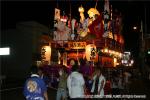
column 75, row 83
column 98, row 83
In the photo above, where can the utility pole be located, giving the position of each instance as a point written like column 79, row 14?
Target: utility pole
column 141, row 55
column 142, row 48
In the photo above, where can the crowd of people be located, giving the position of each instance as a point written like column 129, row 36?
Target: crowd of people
column 76, row 84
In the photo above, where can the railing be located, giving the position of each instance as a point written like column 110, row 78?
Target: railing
column 100, row 43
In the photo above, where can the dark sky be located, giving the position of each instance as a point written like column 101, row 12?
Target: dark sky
column 43, row 11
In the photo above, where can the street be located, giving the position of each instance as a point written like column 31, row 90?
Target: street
column 17, row 94
column 138, row 87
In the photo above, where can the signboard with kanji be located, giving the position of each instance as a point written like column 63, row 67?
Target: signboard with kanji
column 76, row 45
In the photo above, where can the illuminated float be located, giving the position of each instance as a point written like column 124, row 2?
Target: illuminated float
column 96, row 39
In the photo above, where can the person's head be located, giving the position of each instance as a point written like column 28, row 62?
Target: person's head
column 98, row 71
column 45, row 63
column 62, row 70
column 36, row 70
column 75, row 68
column 40, row 71
column 82, row 61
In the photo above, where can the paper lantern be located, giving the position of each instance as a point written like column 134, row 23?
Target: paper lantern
column 90, row 52
column 46, row 54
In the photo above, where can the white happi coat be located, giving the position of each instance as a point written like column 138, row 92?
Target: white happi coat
column 101, row 78
column 75, row 84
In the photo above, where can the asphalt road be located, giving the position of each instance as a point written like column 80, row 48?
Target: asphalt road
column 138, row 87
column 17, row 94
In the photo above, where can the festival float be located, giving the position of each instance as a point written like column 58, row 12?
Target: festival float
column 96, row 39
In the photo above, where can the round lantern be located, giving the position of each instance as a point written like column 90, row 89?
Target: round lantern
column 90, row 52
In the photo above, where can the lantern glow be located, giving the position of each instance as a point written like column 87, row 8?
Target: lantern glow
column 106, row 50
column 46, row 54
column 63, row 19
column 90, row 52
column 115, row 62
column 134, row 27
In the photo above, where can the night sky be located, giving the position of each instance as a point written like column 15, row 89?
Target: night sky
column 43, row 11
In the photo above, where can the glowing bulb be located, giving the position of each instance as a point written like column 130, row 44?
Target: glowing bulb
column 134, row 27
column 106, row 50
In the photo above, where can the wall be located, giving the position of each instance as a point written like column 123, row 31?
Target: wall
column 23, row 43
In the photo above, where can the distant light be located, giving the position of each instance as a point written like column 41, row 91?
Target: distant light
column 113, row 52
column 130, row 64
column 128, row 53
column 115, row 60
column 134, row 27
column 63, row 20
column 117, row 63
column 120, row 55
column 4, row 51
column 106, row 50
column 132, row 61
column 110, row 51
column 124, row 61
column 148, row 52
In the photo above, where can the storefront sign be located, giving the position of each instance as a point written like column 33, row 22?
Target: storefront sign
column 76, row 45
